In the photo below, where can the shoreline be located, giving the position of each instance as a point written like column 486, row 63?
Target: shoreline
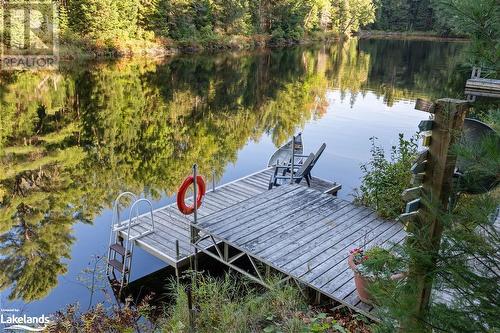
column 167, row 47
column 163, row 48
column 409, row 35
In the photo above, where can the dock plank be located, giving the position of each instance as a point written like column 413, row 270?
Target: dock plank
column 293, row 242
column 289, row 223
column 280, row 224
column 262, row 219
column 322, row 243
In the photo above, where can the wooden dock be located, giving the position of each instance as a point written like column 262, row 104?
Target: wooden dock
column 478, row 86
column 171, row 240
column 303, row 232
column 483, row 87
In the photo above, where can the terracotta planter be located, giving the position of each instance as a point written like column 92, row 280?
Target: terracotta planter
column 362, row 283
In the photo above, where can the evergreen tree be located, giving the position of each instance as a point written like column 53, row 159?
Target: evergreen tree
column 104, row 19
column 480, row 20
column 349, row 15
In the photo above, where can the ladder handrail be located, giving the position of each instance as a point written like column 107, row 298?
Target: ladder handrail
column 115, row 217
column 127, row 240
column 117, row 202
column 117, row 226
column 136, row 217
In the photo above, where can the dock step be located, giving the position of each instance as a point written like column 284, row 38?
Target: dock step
column 117, row 265
column 118, row 248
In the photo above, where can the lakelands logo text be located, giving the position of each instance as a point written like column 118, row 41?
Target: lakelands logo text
column 24, row 323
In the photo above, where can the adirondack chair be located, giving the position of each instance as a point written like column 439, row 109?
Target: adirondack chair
column 303, row 172
column 317, row 155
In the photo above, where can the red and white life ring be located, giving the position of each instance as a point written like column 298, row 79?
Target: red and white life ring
column 181, row 204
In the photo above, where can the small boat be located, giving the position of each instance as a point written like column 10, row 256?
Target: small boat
column 284, row 153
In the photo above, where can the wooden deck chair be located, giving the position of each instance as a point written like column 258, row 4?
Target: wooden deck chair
column 317, row 155
column 303, row 172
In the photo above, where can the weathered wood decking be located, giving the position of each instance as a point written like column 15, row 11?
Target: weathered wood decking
column 304, row 234
column 483, row 87
column 172, row 226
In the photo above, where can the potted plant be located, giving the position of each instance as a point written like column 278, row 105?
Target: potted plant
column 372, row 265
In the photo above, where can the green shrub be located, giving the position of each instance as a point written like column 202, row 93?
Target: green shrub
column 278, row 36
column 380, row 262
column 296, row 34
column 230, row 305
column 385, row 179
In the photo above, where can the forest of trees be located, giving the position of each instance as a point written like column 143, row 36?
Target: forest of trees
column 232, row 22
column 212, row 19
column 406, row 15
column 135, row 24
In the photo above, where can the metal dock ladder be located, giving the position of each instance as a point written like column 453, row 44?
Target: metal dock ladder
column 121, row 248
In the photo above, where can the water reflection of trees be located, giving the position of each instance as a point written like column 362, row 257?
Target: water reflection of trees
column 71, row 141
column 402, row 69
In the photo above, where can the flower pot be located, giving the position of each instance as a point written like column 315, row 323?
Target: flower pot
column 362, row 283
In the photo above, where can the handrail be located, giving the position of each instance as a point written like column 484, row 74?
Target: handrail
column 115, row 218
column 131, row 217
column 117, row 202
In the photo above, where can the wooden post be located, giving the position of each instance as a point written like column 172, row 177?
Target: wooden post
column 293, row 160
column 190, row 309
column 426, row 231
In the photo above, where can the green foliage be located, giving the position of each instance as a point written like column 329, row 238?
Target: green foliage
column 350, row 15
column 406, row 15
column 378, row 262
column 104, row 20
column 385, row 179
column 465, row 289
column 62, row 18
column 227, row 305
column 99, row 319
column 232, row 16
column 231, row 305
column 478, row 19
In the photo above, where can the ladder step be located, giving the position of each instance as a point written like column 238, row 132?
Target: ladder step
column 119, row 249
column 117, row 265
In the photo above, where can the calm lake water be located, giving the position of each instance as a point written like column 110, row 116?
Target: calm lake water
column 71, row 141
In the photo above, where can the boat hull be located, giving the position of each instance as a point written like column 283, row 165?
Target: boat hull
column 284, row 154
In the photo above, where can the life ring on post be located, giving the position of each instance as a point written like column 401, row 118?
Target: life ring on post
column 181, row 204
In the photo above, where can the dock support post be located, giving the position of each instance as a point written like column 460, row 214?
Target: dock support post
column 177, row 255
column 213, row 180
column 317, row 299
column 195, row 192
column 293, row 160
column 194, row 232
column 226, row 252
